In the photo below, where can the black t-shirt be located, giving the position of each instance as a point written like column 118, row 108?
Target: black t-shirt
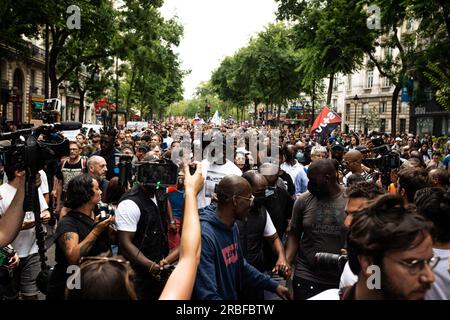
column 279, row 206
column 318, row 225
column 82, row 225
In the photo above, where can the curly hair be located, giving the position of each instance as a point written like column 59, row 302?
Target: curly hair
column 385, row 225
column 364, row 189
column 79, row 191
column 434, row 204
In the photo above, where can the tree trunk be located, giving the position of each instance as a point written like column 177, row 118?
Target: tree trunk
column 256, row 113
column 330, row 89
column 278, row 116
column 81, row 108
column 395, row 94
column 133, row 76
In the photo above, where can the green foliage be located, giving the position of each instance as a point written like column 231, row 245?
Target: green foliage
column 441, row 81
column 328, row 36
column 266, row 71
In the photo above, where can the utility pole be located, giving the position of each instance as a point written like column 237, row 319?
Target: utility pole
column 47, row 65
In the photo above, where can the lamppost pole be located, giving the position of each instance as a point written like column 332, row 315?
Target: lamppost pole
column 356, row 111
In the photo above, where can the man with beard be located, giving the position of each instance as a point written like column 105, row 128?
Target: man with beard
column 223, row 271
column 316, row 226
column 393, row 240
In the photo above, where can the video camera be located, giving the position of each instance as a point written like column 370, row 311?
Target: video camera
column 31, row 149
column 325, row 261
column 162, row 173
column 385, row 160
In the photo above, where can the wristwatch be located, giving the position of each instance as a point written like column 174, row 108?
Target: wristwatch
column 172, row 222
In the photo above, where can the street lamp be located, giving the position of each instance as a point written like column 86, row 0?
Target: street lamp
column 356, row 98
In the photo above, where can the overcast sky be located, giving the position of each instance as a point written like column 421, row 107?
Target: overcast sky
column 214, row 29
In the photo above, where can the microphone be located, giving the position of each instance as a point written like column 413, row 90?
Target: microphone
column 66, row 126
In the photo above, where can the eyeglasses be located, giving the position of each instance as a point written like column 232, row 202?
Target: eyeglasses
column 251, row 199
column 417, row 265
column 73, row 149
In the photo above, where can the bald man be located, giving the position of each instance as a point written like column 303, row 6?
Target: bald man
column 223, row 271
column 316, row 226
column 353, row 163
column 97, row 169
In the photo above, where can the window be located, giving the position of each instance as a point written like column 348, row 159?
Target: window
column 402, row 125
column 365, row 108
column 334, row 104
column 349, row 82
column 383, row 107
column 33, row 81
column 410, row 24
column 43, row 83
column 403, row 107
column 369, row 79
column 382, row 125
column 386, row 82
column 335, row 83
column 387, row 52
column 347, row 112
column 428, row 92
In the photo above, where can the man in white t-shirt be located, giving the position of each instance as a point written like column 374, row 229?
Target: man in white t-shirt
column 141, row 219
column 25, row 242
column 214, row 169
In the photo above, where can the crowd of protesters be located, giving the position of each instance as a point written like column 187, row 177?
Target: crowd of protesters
column 262, row 214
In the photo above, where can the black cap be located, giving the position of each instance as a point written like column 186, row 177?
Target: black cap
column 337, row 144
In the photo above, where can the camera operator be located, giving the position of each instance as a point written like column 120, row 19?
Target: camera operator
column 397, row 240
column 353, row 163
column 316, row 226
column 25, row 242
column 79, row 232
column 141, row 219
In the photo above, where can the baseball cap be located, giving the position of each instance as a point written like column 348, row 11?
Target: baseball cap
column 337, row 144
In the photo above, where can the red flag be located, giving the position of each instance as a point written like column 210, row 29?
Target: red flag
column 325, row 122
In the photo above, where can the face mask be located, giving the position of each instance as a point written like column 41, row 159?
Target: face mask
column 300, row 156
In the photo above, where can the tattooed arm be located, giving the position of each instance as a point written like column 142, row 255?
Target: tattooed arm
column 73, row 249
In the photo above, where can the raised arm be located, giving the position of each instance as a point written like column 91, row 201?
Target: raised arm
column 181, row 282
column 11, row 221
